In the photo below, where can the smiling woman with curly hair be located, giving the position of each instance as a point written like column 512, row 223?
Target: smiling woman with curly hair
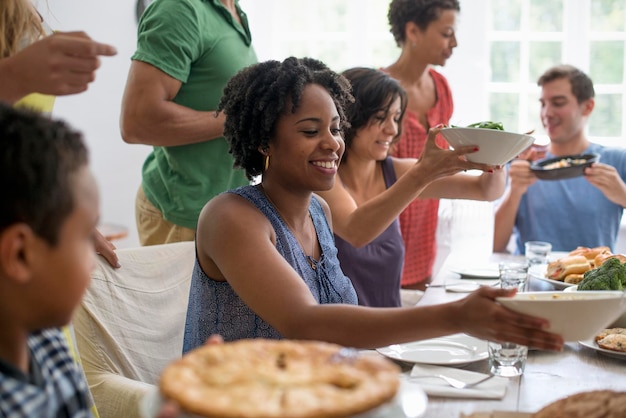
column 254, row 107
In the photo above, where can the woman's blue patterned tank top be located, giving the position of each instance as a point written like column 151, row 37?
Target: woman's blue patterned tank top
column 214, row 308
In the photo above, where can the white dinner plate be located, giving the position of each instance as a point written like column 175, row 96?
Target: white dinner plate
column 410, row 402
column 538, row 271
column 478, row 272
column 594, row 346
column 454, row 349
column 462, row 287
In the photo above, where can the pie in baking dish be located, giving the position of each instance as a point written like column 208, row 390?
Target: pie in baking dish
column 260, row 378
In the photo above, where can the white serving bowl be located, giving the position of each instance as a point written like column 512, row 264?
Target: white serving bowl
column 495, row 147
column 620, row 322
column 574, row 315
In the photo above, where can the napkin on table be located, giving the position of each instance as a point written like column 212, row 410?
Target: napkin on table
column 494, row 388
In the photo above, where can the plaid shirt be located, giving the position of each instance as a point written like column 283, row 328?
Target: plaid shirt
column 55, row 387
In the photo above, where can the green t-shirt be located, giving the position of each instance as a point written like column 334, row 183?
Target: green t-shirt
column 200, row 44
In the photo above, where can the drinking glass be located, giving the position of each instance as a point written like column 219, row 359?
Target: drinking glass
column 514, row 274
column 537, row 252
column 507, row 359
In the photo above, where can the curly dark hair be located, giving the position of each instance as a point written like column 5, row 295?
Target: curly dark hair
column 254, row 99
column 374, row 92
column 39, row 158
column 420, row 12
column 582, row 85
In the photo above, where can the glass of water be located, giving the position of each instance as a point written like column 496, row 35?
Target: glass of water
column 537, row 252
column 507, row 359
column 514, row 274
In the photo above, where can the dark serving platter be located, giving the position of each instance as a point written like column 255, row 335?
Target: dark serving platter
column 571, row 166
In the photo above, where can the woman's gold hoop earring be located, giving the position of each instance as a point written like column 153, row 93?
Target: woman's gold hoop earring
column 267, row 162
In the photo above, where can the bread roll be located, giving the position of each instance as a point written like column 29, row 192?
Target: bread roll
column 574, row 278
column 573, row 264
column 590, row 253
column 602, row 257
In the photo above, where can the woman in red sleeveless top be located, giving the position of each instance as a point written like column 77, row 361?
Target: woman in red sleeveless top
column 425, row 32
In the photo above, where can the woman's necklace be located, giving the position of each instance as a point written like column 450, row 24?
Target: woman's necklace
column 309, row 258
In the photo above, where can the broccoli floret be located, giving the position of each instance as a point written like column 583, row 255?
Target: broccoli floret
column 609, row 276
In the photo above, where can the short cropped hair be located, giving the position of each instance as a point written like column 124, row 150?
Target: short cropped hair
column 38, row 159
column 420, row 12
column 257, row 96
column 374, row 92
column 582, row 85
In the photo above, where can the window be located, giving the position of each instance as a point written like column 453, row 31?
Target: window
column 504, row 45
column 526, row 37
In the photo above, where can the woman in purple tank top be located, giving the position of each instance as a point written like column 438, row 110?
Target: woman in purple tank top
column 366, row 200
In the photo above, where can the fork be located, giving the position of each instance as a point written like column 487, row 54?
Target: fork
column 455, row 383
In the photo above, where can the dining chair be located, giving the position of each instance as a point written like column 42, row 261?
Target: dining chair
column 130, row 324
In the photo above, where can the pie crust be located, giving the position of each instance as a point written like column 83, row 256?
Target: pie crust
column 261, row 378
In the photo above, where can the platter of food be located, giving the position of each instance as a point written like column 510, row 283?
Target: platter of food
column 563, row 167
column 610, row 342
column 457, row 349
column 539, row 272
column 570, row 268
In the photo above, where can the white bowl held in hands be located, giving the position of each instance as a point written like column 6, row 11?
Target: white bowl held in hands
column 495, row 147
column 620, row 322
column 573, row 315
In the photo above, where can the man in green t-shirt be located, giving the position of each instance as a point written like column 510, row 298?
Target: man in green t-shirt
column 186, row 53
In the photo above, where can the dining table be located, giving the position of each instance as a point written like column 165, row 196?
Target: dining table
column 548, row 376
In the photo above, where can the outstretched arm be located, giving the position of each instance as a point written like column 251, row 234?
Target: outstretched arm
column 362, row 223
column 488, row 186
column 60, row 64
column 240, row 249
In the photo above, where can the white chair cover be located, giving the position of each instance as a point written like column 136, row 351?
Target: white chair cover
column 130, row 323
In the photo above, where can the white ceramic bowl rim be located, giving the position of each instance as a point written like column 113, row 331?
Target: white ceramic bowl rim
column 495, row 147
column 601, row 308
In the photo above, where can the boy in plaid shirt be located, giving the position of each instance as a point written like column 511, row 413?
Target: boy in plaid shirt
column 48, row 214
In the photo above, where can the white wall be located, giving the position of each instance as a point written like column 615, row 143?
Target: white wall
column 116, row 164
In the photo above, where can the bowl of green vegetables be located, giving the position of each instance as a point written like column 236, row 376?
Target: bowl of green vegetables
column 495, row 145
